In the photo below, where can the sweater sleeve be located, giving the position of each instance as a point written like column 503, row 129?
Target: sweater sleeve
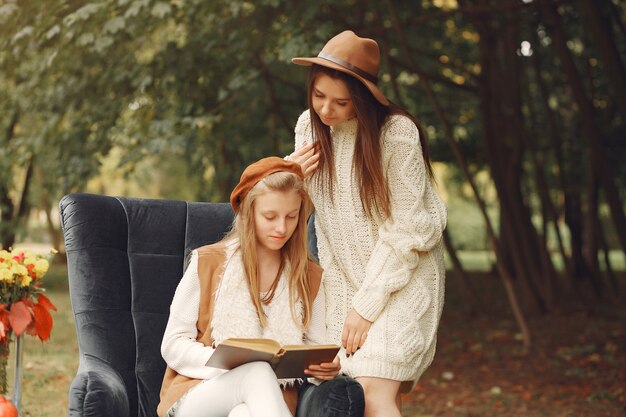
column 418, row 218
column 304, row 130
column 179, row 348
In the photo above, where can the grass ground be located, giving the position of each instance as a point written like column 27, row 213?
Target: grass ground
column 577, row 367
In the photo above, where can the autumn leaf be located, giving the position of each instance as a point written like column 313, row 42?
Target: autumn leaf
column 45, row 302
column 4, row 321
column 19, row 317
column 43, row 321
column 31, row 330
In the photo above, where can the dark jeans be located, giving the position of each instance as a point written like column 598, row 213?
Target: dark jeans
column 341, row 397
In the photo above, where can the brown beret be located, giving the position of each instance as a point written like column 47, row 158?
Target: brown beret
column 256, row 172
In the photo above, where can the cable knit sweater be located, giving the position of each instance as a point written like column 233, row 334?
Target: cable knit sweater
column 390, row 271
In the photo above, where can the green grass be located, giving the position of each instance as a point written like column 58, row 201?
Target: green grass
column 481, row 261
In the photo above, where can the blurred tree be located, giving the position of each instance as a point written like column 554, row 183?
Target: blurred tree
column 193, row 90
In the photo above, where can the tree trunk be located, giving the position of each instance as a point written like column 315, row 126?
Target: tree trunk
column 555, row 140
column 7, row 206
column 503, row 127
column 457, row 267
column 7, row 229
column 590, row 249
column 613, row 281
column 577, row 215
column 44, row 202
column 548, row 211
column 590, row 128
column 503, row 273
column 24, row 207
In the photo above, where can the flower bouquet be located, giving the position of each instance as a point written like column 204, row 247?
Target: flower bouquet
column 23, row 306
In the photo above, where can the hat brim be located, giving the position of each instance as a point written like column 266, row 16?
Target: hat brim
column 378, row 95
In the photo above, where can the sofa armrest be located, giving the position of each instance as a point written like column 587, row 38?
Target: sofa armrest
column 339, row 397
column 97, row 391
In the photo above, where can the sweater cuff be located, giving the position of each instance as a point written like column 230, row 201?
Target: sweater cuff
column 369, row 305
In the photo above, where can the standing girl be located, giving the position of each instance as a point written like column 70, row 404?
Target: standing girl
column 378, row 220
column 255, row 283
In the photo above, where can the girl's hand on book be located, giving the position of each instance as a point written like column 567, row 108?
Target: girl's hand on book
column 324, row 371
column 355, row 331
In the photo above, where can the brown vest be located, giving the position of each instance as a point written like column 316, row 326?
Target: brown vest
column 211, row 260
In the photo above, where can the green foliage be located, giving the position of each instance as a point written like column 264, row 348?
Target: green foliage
column 206, row 81
column 189, row 92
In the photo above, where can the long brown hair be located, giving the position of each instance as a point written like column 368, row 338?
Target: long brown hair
column 367, row 162
column 294, row 251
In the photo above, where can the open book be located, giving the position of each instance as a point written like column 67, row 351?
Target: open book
column 288, row 361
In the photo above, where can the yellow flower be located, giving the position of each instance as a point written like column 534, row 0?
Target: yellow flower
column 25, row 280
column 5, row 274
column 41, row 267
column 4, row 254
column 19, row 269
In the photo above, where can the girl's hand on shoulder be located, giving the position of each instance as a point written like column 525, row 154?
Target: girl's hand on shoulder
column 308, row 157
column 355, row 331
column 324, row 371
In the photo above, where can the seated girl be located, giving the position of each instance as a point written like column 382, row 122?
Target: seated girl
column 258, row 282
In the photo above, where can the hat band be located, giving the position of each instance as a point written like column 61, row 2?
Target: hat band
column 347, row 65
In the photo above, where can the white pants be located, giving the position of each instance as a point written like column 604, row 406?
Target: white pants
column 250, row 390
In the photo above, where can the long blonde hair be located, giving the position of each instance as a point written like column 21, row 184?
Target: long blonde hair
column 294, row 251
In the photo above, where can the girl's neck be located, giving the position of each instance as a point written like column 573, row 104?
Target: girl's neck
column 265, row 255
column 269, row 267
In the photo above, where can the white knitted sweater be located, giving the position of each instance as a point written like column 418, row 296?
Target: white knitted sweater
column 390, row 271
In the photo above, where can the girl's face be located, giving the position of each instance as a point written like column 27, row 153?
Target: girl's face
column 331, row 100
column 275, row 218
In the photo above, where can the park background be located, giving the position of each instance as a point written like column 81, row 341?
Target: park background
column 524, row 107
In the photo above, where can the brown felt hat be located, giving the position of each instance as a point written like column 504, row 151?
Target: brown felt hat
column 356, row 56
column 256, row 172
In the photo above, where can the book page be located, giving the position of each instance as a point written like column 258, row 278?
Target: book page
column 228, row 357
column 265, row 345
column 309, row 347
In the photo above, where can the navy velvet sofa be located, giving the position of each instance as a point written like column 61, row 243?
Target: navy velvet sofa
column 125, row 258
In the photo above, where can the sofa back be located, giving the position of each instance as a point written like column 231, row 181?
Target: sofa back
column 125, row 258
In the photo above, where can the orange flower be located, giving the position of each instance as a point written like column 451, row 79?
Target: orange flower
column 23, row 307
